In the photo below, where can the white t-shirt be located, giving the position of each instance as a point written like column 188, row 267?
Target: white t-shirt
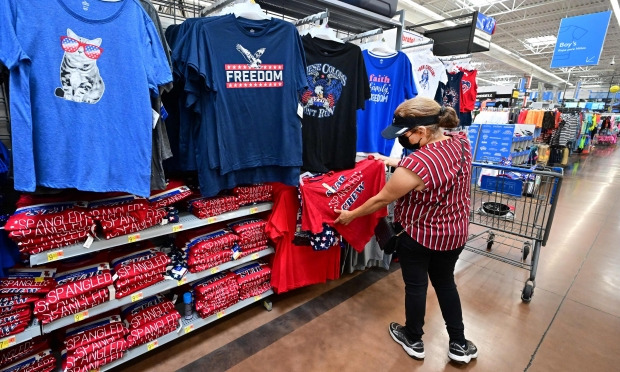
column 428, row 71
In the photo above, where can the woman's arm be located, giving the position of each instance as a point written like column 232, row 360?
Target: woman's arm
column 402, row 181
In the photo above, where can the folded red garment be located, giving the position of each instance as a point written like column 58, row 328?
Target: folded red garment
column 136, row 226
column 208, row 310
column 27, row 285
column 112, row 222
column 96, row 364
column 50, row 245
column 12, row 308
column 254, row 291
column 135, row 280
column 149, row 314
column 156, row 328
column 94, row 336
column 79, row 287
column 43, row 364
column 73, row 306
column 229, row 282
column 225, row 202
column 52, row 230
column 263, row 274
column 124, row 292
column 122, row 205
column 50, row 216
column 17, row 299
column 214, row 245
column 94, row 355
column 19, row 316
column 26, row 244
column 205, row 259
column 248, row 251
column 88, row 348
column 12, row 329
column 209, row 265
column 174, row 193
column 157, row 263
column 203, row 213
column 22, row 351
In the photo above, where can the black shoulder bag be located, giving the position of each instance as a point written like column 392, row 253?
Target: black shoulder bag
column 387, row 233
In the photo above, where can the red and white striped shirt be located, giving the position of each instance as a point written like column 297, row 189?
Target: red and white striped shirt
column 445, row 227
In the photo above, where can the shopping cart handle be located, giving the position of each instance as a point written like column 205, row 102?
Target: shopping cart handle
column 557, row 172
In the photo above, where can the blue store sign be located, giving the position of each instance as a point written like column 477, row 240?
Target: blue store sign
column 494, row 142
column 580, row 40
column 486, row 24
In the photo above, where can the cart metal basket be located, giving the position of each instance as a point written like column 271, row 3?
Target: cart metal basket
column 516, row 206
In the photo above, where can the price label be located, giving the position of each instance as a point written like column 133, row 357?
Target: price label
column 254, row 256
column 39, row 280
column 253, row 210
column 211, row 219
column 215, row 270
column 182, row 281
column 136, row 297
column 53, row 256
column 81, row 316
column 152, row 345
column 7, row 342
column 96, row 370
column 133, row 238
column 188, row 328
column 177, row 228
column 257, row 298
column 220, row 314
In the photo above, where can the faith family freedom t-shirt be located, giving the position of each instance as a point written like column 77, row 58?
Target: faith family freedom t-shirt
column 81, row 72
column 391, row 83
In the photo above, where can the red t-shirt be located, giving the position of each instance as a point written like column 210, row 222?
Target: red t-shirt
column 296, row 266
column 352, row 188
column 443, row 227
column 469, row 89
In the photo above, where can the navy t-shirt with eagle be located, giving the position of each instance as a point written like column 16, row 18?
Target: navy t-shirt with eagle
column 337, row 87
column 256, row 71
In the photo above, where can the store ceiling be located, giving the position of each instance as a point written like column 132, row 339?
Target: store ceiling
column 526, row 28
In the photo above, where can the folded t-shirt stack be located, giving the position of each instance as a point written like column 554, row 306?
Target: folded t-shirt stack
column 41, row 227
column 75, row 291
column 42, row 361
column 210, row 207
column 209, row 250
column 175, row 192
column 253, row 193
column 18, row 291
column 138, row 270
column 253, row 279
column 23, row 351
column 215, row 293
column 150, row 319
column 125, row 214
column 252, row 236
column 93, row 345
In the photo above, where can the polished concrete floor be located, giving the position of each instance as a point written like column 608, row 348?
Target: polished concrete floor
column 571, row 324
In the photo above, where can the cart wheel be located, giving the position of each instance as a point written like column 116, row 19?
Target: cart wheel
column 490, row 240
column 268, row 305
column 528, row 292
column 526, row 251
column 489, row 245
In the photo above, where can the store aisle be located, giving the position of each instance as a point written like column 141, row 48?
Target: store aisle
column 572, row 323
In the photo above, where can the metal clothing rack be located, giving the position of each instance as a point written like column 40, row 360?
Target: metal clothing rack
column 377, row 31
column 313, row 18
column 215, row 7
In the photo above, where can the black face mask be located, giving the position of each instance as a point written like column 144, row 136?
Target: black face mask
column 404, row 142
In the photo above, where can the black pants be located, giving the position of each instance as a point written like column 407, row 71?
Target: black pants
column 418, row 264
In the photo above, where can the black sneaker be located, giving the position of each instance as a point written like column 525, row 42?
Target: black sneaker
column 459, row 354
column 399, row 334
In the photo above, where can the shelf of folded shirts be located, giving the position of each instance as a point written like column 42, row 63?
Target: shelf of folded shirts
column 151, row 291
column 186, row 326
column 187, row 221
column 32, row 331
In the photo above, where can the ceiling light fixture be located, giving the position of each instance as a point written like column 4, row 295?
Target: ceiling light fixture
column 541, row 41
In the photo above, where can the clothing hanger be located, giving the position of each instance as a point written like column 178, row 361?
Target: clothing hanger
column 248, row 10
column 379, row 48
column 325, row 33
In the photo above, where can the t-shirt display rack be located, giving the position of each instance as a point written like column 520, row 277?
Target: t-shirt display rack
column 343, row 17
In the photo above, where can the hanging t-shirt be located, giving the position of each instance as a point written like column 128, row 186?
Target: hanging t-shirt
column 428, row 72
column 469, row 90
column 344, row 190
column 391, row 83
column 87, row 67
column 337, row 86
column 449, row 94
column 256, row 69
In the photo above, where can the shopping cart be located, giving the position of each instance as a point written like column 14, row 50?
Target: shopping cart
column 515, row 207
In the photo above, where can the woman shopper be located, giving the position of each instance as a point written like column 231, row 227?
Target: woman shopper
column 431, row 189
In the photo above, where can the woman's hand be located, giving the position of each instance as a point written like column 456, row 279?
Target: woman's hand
column 345, row 217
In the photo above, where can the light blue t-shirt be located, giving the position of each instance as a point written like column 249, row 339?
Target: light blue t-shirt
column 81, row 72
column 391, row 83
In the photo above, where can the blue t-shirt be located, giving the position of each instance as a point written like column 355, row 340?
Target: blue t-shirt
column 256, row 71
column 391, row 83
column 81, row 72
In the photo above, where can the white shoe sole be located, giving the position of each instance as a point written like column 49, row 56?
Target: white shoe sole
column 408, row 350
column 462, row 358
